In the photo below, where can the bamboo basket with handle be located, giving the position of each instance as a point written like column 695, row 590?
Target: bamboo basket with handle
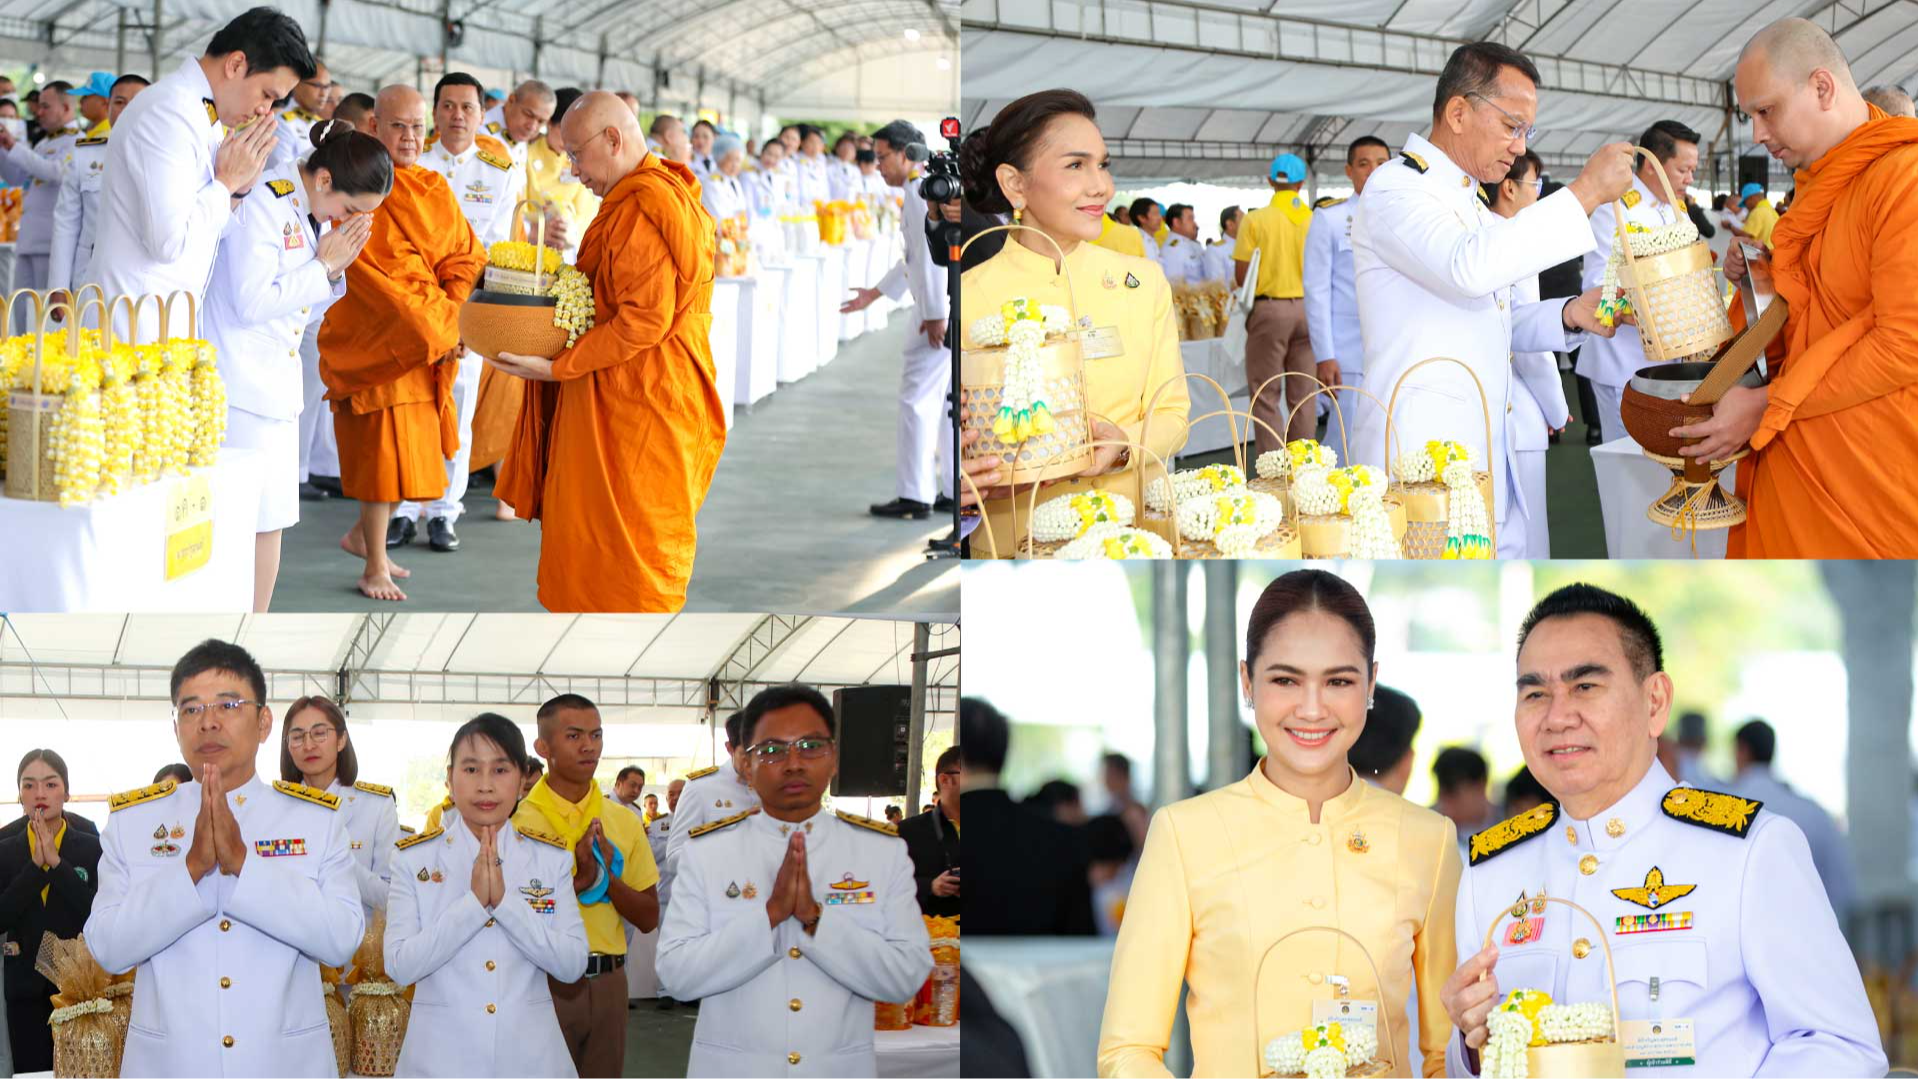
column 1282, row 542
column 1573, row 1060
column 1330, row 536
column 1280, row 487
column 1675, row 295
column 1428, row 505
column 992, row 540
column 1067, row 449
column 1385, row 1062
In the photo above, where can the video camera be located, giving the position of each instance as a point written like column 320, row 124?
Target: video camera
column 941, row 183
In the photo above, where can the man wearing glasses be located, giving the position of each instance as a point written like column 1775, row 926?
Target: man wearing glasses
column 1435, row 268
column 1611, row 363
column 932, row 840
column 787, row 921
column 310, row 106
column 226, row 893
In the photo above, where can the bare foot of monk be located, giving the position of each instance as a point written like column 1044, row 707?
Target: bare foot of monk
column 380, row 586
column 352, row 544
column 504, row 512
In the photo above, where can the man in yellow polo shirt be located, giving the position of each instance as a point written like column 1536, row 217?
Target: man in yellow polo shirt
column 1276, row 336
column 614, row 878
column 1761, row 218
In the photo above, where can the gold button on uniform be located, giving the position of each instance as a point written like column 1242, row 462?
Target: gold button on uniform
column 225, row 925
column 227, row 1041
column 1313, row 839
column 1614, row 827
column 792, row 1058
column 489, row 923
column 1588, row 864
column 490, row 1009
column 489, row 964
column 794, row 1005
column 1571, row 835
column 1318, row 903
column 226, row 983
column 794, row 952
column 1315, row 978
column 1581, row 948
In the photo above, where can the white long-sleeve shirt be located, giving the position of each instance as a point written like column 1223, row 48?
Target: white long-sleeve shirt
column 915, row 271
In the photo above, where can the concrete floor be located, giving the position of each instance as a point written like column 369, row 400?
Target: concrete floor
column 784, row 527
column 658, row 1043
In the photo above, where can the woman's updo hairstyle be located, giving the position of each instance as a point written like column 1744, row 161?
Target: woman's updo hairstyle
column 358, row 162
column 1010, row 140
column 1309, row 590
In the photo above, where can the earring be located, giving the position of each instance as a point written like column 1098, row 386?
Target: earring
column 1371, row 703
column 1018, row 213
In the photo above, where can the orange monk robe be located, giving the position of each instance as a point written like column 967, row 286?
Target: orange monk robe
column 1839, row 438
column 389, row 349
column 614, row 458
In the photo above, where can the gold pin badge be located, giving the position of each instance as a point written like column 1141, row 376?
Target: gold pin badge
column 177, row 832
column 1614, row 827
column 437, row 877
column 749, row 891
column 1571, row 834
column 1356, row 843
column 732, row 889
column 424, row 876
column 1107, row 280
column 160, row 832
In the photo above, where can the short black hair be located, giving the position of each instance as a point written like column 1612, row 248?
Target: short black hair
column 1052, row 794
column 1140, row 207
column 1174, row 211
column 1473, row 69
column 217, row 655
column 708, row 124
column 1362, row 142
column 776, row 697
column 894, row 813
column 733, row 733
column 629, row 770
column 1524, row 784
column 899, row 134
column 269, row 39
column 563, row 99
column 361, row 104
column 947, row 760
column 139, row 80
column 177, row 771
column 497, row 729
column 1758, row 738
column 1390, row 726
column 1663, row 137
column 1119, row 761
column 58, row 86
column 458, row 78
column 1108, row 839
column 983, row 734
column 534, row 766
column 1226, row 215
column 1457, row 766
column 1639, row 636
column 1529, row 161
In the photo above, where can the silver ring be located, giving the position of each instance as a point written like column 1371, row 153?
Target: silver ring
column 496, row 861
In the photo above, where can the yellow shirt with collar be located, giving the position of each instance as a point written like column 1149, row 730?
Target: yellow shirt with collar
column 1761, row 221
column 1124, row 239
column 100, row 129
column 1277, row 229
column 605, row 930
column 1225, row 875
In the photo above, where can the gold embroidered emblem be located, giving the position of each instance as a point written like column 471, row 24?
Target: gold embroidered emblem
column 1726, row 813
column 1511, row 831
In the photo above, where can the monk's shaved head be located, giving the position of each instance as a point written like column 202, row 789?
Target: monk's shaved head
column 604, row 139
column 1894, row 101
column 399, row 122
column 1794, row 83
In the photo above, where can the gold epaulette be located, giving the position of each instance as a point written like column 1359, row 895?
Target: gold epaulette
column 1414, row 160
column 307, row 794
column 421, row 838
column 702, row 773
column 1482, row 196
column 374, row 788
column 867, row 822
column 144, row 794
column 1629, row 198
column 1727, row 813
column 1512, row 831
column 280, row 188
column 714, row 826
column 1326, row 201
column 409, row 829
column 542, row 837
column 97, row 140
column 212, row 111
column 494, row 127
column 498, row 161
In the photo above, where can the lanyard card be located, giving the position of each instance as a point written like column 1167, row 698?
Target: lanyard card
column 1658, row 1044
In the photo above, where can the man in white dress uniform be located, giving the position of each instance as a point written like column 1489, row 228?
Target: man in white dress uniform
column 1331, row 302
column 76, row 211
column 295, row 125
column 1434, row 266
column 1182, row 258
column 39, row 168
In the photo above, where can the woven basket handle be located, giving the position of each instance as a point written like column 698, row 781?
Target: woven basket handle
column 1388, row 1044
column 1483, row 403
column 1315, row 381
column 1741, row 354
column 992, row 544
column 1611, row 975
column 1625, row 244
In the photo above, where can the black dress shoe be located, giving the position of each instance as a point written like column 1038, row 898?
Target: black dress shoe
column 310, row 493
column 329, row 484
column 942, row 504
column 400, row 532
column 1593, row 436
column 665, row 1004
column 440, row 535
column 904, row 509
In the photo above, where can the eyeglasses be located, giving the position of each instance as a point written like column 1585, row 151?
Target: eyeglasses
column 220, row 708
column 1519, row 129
column 952, row 773
column 772, row 751
column 317, row 735
column 572, row 152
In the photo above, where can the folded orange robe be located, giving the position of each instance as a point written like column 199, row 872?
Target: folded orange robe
column 389, row 349
column 615, row 457
column 1840, row 436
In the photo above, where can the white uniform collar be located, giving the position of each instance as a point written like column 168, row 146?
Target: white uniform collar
column 1628, row 816
column 1441, row 171
column 459, row 158
column 766, row 824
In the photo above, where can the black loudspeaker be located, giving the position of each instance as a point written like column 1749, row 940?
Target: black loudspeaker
column 1753, row 169
column 875, row 732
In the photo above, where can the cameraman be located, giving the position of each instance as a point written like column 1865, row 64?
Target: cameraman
column 926, row 374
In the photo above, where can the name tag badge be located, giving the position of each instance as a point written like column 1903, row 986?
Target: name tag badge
column 1346, row 1011
column 1100, row 342
column 1664, row 1044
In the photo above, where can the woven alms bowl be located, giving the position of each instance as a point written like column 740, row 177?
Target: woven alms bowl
column 496, row 322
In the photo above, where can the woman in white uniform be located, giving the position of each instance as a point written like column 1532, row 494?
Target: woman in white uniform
column 721, row 189
column 277, row 263
column 480, row 915
column 316, row 750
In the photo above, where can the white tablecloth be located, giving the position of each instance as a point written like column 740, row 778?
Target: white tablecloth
column 919, row 1053
column 858, row 275
column 731, row 316
column 799, row 319
column 111, row 555
column 758, row 353
column 1628, row 484
column 1208, row 357
column 832, row 293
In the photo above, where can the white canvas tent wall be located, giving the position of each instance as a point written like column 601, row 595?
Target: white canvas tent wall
column 1211, row 90
column 748, row 59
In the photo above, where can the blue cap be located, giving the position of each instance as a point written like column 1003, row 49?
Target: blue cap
column 496, row 94
column 1291, row 167
column 100, row 84
column 1749, row 190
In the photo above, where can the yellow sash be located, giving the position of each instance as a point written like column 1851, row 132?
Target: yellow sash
column 33, row 849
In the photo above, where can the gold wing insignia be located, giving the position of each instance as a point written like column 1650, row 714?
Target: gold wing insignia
column 1655, row 892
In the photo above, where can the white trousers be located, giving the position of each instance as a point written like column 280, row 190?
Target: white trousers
column 925, row 436
column 1611, row 423
column 319, row 453
column 465, row 399
column 30, row 271
column 1525, row 532
column 642, row 973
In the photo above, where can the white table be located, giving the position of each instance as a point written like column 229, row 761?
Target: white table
column 111, row 555
column 799, row 319
column 1628, row 483
column 928, row 1052
column 1208, row 357
column 730, row 318
column 858, row 275
column 832, row 293
column 757, row 375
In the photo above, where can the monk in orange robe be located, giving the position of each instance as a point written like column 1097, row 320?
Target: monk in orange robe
column 389, row 350
column 1838, row 423
column 618, row 436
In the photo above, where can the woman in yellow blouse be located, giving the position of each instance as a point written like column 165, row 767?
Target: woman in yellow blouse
column 1299, row 842
column 1043, row 161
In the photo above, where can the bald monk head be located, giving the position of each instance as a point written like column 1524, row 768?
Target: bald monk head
column 1894, row 101
column 399, row 122
column 527, row 109
column 1794, row 83
column 605, row 140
